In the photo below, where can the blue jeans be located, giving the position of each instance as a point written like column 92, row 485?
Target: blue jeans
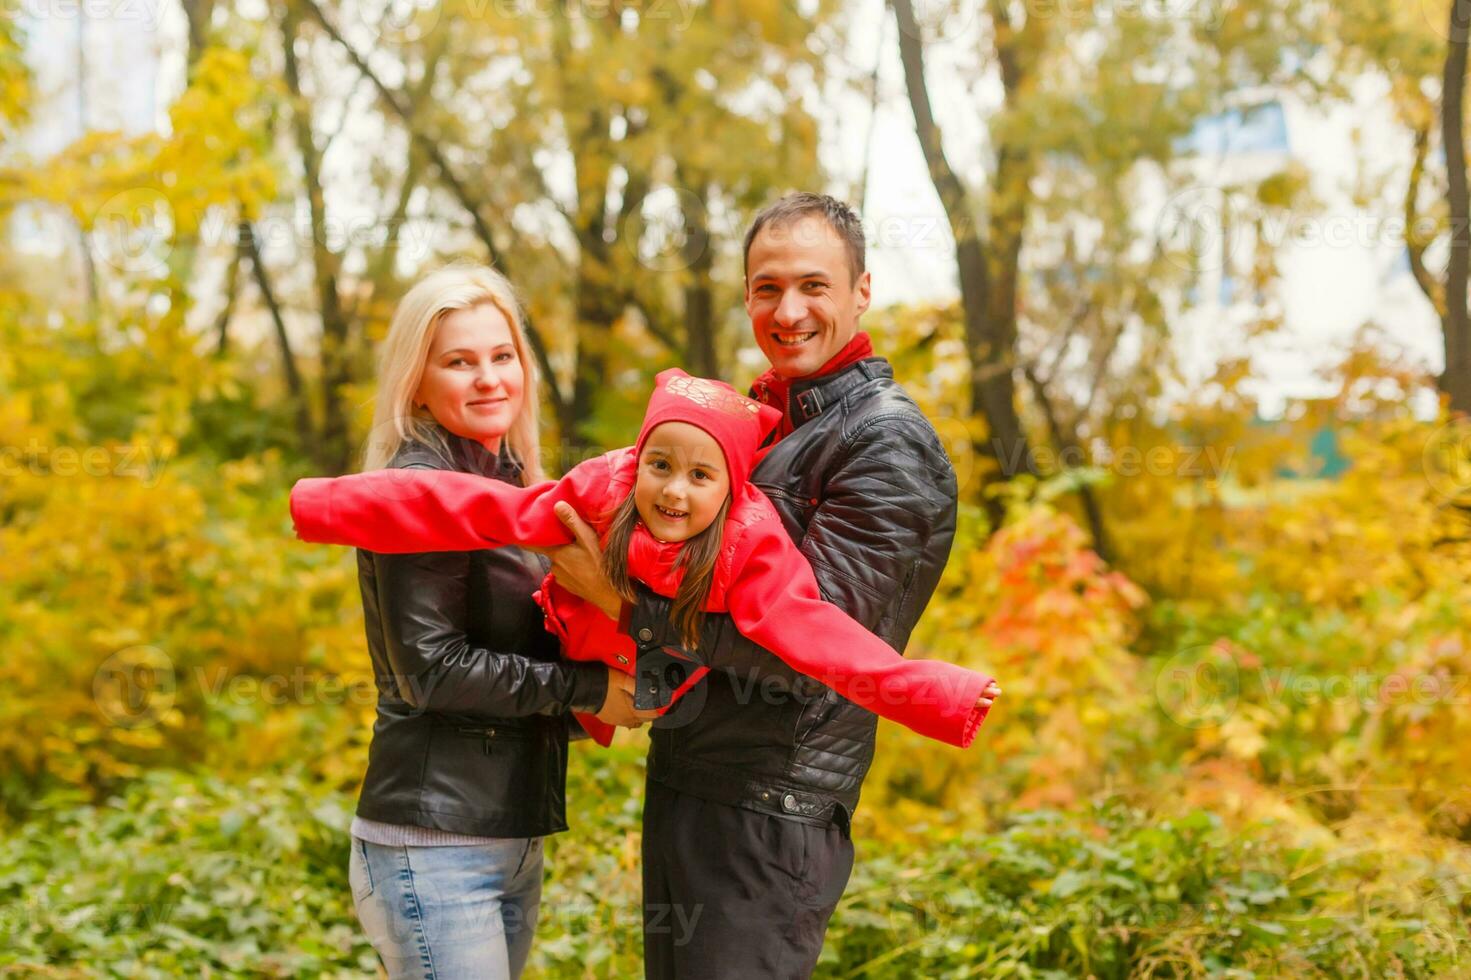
column 451, row 912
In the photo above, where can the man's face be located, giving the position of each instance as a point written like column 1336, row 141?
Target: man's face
column 800, row 295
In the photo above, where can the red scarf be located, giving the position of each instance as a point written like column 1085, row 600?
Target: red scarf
column 773, row 389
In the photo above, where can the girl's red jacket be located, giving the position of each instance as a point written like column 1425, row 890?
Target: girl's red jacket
column 761, row 579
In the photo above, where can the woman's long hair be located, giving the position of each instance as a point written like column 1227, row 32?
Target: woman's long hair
column 697, row 558
column 405, row 350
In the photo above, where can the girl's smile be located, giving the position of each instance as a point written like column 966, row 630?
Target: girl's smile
column 682, row 481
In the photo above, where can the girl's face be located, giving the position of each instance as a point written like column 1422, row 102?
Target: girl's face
column 682, row 481
column 473, row 381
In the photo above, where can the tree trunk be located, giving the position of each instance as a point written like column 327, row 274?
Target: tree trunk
column 283, row 340
column 332, row 451
column 232, row 290
column 1456, row 380
column 989, row 312
column 699, row 291
column 470, row 202
column 1068, row 445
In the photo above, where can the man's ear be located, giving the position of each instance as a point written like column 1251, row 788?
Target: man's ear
column 864, row 290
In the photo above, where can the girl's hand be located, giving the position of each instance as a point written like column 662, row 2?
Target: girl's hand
column 988, row 695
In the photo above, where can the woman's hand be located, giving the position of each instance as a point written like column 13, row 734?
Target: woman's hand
column 988, row 695
column 579, row 565
column 618, row 706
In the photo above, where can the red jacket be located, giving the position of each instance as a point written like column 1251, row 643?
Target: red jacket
column 761, row 579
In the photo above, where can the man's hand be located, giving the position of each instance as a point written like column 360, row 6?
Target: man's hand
column 987, row 696
column 579, row 565
column 618, row 706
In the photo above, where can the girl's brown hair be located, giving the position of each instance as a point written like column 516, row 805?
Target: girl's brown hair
column 697, row 558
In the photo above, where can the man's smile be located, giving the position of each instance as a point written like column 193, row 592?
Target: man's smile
column 793, row 339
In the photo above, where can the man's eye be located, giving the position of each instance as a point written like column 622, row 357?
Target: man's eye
column 815, row 285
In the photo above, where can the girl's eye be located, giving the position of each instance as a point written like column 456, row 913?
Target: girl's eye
column 700, row 475
column 658, row 464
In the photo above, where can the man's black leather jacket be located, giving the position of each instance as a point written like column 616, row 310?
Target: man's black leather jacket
column 473, row 694
column 866, row 490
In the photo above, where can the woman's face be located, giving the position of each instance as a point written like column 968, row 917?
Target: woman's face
column 681, row 483
column 473, row 381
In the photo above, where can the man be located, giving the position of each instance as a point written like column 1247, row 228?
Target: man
column 753, row 779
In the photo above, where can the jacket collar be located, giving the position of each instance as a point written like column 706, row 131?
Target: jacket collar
column 810, row 397
column 469, row 456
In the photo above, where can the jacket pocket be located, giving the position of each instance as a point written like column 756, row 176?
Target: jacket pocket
column 811, row 715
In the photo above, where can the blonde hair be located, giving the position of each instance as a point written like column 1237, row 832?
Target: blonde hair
column 405, row 350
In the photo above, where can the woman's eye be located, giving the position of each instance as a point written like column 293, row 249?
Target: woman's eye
column 503, row 358
column 458, row 361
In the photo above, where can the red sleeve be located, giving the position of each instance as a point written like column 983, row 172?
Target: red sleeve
column 774, row 600
column 400, row 511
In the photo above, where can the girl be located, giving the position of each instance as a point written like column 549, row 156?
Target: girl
column 676, row 511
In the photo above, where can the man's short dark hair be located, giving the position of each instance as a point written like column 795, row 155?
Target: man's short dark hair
column 794, row 207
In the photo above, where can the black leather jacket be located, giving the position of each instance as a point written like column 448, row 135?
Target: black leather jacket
column 865, row 489
column 473, row 696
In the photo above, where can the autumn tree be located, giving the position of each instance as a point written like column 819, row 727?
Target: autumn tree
column 1081, row 115
column 601, row 157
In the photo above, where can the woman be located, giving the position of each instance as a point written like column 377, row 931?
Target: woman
column 468, row 762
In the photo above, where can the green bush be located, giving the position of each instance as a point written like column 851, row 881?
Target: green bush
column 188, row 875
column 184, row 875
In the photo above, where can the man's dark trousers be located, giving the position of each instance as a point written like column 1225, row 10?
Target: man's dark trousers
column 755, row 891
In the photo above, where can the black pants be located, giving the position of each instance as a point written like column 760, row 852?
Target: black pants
column 732, row 894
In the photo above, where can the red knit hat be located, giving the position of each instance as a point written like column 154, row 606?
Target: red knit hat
column 739, row 424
